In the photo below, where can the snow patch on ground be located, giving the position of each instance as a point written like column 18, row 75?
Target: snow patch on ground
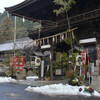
column 60, row 89
column 32, row 77
column 6, row 79
column 9, row 79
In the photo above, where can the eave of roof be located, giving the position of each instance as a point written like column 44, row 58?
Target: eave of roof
column 20, row 5
column 32, row 9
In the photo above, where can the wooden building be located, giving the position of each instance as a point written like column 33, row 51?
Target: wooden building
column 84, row 19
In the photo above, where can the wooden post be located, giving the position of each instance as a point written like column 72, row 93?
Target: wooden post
column 39, row 31
column 51, row 62
column 66, row 36
column 39, row 71
column 56, row 39
column 43, row 42
column 53, row 39
column 39, row 34
column 48, row 41
column 40, row 42
column 73, row 34
column 60, row 37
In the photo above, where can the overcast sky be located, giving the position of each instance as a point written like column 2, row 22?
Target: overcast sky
column 8, row 3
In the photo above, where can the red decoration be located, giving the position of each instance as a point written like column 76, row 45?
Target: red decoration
column 84, row 61
column 17, row 65
column 21, row 63
column 99, row 59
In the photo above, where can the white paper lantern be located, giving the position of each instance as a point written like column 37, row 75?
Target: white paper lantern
column 37, row 61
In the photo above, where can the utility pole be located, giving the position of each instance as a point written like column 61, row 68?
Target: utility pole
column 14, row 41
column 14, row 35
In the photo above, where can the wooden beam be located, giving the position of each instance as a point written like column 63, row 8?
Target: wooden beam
column 55, row 36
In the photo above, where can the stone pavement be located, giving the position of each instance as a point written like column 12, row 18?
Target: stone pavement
column 33, row 82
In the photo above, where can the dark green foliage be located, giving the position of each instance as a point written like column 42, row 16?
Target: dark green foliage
column 6, row 29
column 65, row 5
column 65, row 62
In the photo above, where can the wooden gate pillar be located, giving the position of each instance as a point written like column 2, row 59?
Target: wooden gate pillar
column 51, row 62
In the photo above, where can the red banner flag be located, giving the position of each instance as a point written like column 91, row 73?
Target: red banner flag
column 84, row 61
column 21, row 63
column 99, row 59
column 88, row 62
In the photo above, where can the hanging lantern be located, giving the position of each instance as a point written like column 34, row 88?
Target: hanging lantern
column 37, row 61
column 79, row 60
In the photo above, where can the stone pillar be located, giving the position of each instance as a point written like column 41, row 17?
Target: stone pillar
column 96, row 79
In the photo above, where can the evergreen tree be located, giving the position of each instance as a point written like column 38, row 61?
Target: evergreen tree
column 65, row 5
column 6, row 28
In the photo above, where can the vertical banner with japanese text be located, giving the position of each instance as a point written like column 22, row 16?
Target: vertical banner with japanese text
column 99, row 59
column 84, row 61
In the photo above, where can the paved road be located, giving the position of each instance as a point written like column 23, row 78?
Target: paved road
column 10, row 91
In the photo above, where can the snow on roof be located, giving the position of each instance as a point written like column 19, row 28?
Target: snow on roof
column 20, row 44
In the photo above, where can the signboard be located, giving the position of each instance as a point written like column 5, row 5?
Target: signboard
column 99, row 59
column 17, row 63
column 92, row 67
column 58, row 72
